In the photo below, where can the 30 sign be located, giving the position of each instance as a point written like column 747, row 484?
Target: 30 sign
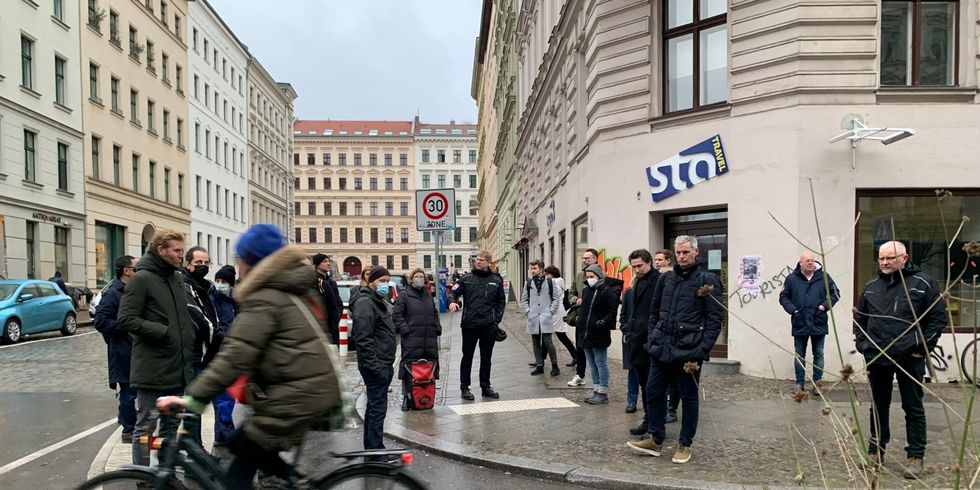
column 435, row 209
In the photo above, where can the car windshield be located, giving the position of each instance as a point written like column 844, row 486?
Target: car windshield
column 6, row 291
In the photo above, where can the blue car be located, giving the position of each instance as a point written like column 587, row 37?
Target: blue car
column 29, row 306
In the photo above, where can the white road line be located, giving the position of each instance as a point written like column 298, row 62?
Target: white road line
column 32, row 342
column 54, row 447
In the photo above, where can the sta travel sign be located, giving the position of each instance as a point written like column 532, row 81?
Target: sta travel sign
column 688, row 168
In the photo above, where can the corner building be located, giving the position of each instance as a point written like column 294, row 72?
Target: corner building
column 353, row 185
column 613, row 94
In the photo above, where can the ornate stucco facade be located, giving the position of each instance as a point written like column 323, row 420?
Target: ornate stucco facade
column 270, row 145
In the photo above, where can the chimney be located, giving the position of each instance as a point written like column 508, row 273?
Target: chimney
column 452, row 122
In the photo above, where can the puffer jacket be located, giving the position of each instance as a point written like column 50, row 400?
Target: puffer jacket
column 597, row 317
column 483, row 298
column 153, row 310
column 417, row 322
column 293, row 377
column 802, row 298
column 685, row 318
column 373, row 330
column 884, row 297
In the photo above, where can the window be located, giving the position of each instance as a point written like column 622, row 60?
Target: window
column 918, row 43
column 310, row 159
column 457, row 235
column 390, row 261
column 207, row 49
column 207, row 95
column 358, row 183
column 166, row 125
column 327, row 209
column 696, row 53
column 472, row 181
column 389, row 235
column 311, row 208
column 297, row 210
column 207, row 143
column 295, row 158
column 459, row 207
column 374, row 235
column 373, row 183
column 136, row 173
column 116, row 165
column 114, row 95
column 298, row 234
column 26, row 62
column 61, row 251
column 343, row 209
column 178, row 30
column 358, row 208
column 426, row 236
column 180, row 133
column 472, row 156
column 179, row 79
column 328, row 235
column 310, row 183
column 374, row 260
column 425, row 181
column 312, row 233
column 342, row 182
column 403, row 184
column 343, row 235
column 151, row 116
column 326, row 159
column 403, row 209
column 30, row 239
column 62, row 166
column 373, row 159
column 357, row 159
column 358, row 235
column 441, row 156
column 425, row 156
column 96, row 150
column 457, row 181
column 153, row 179
column 388, row 162
column 427, row 262
column 457, row 156
column 403, row 159
column 194, row 38
column 133, row 44
column 30, row 156
column 327, row 183
column 442, row 181
column 342, row 159
column 389, row 208
column 473, row 237
column 150, row 57
column 134, row 106
column 165, row 68
column 389, row 184
column 113, row 22
column 166, row 185
column 60, row 89
column 93, row 82
column 296, row 183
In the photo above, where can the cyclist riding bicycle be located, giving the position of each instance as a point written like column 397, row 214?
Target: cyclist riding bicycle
column 280, row 343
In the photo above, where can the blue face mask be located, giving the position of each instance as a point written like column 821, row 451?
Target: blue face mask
column 382, row 288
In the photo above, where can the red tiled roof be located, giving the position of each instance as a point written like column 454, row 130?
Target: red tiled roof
column 305, row 126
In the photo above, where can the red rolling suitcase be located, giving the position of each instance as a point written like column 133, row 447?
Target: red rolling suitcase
column 423, row 374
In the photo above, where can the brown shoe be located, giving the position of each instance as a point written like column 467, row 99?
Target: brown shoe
column 646, row 446
column 682, row 455
column 913, row 469
column 817, row 388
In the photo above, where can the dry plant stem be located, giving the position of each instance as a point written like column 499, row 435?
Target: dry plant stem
column 972, row 394
column 796, row 454
column 816, row 453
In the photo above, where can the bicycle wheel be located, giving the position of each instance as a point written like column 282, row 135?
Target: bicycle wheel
column 125, row 480
column 970, row 361
column 370, row 477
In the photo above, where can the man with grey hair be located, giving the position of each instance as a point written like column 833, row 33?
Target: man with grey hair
column 897, row 323
column 685, row 321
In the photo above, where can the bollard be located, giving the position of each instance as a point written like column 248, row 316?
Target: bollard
column 342, row 341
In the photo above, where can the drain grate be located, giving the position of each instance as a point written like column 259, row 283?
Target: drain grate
column 512, row 406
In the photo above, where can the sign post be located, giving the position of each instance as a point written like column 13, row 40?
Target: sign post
column 435, row 212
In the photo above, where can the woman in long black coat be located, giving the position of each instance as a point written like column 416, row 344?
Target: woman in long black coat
column 417, row 321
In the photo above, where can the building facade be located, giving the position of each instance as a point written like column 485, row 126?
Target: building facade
column 219, row 168
column 651, row 119
column 353, row 185
column 134, row 58
column 270, row 144
column 446, row 156
column 42, row 195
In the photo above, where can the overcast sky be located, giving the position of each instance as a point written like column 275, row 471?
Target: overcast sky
column 365, row 59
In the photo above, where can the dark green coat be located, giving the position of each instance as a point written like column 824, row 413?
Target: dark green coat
column 294, row 381
column 153, row 310
column 373, row 330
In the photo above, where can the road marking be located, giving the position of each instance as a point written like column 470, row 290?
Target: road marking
column 32, row 342
column 512, row 406
column 54, row 447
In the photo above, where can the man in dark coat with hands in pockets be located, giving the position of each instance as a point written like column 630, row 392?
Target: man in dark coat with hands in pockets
column 804, row 297
column 483, row 293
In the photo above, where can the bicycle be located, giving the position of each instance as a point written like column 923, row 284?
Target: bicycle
column 202, row 471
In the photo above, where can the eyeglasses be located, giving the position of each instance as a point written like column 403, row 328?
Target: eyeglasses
column 889, row 258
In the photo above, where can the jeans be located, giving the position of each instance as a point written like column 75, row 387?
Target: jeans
column 544, row 347
column 486, row 337
column 127, row 407
column 250, row 457
column 146, row 400
column 376, row 386
column 599, row 365
column 632, row 387
column 817, row 342
column 880, row 375
column 658, row 383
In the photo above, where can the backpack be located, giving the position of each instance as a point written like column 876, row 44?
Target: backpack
column 551, row 288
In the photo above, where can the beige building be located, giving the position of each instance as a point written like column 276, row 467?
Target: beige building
column 642, row 121
column 353, row 192
column 270, row 144
column 134, row 59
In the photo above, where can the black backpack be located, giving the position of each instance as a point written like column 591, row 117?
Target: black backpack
column 551, row 288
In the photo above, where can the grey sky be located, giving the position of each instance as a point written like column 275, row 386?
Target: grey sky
column 365, row 59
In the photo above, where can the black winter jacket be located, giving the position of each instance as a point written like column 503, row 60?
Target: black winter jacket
column 417, row 321
column 684, row 325
column 332, row 303
column 801, row 298
column 885, row 296
column 597, row 316
column 205, row 318
column 635, row 317
column 483, row 298
column 373, row 330
column 120, row 348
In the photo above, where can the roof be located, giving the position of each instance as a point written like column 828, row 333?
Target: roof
column 351, row 128
column 451, row 129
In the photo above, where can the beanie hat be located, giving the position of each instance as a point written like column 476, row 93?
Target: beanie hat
column 259, row 242
column 226, row 274
column 319, row 258
column 595, row 269
column 377, row 272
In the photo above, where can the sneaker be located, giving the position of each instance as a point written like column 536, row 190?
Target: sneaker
column 555, row 371
column 127, row 438
column 671, row 417
column 682, row 455
column 576, row 381
column 639, row 430
column 631, row 408
column 798, row 387
column 817, row 388
column 466, row 394
column 489, row 393
column 598, row 399
column 913, row 468
column 646, row 446
column 590, row 396
column 538, row 370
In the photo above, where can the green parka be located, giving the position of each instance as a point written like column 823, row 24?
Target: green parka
column 153, row 310
column 293, row 381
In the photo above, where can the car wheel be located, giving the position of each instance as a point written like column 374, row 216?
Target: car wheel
column 70, row 325
column 11, row 332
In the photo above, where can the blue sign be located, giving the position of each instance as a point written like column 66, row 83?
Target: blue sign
column 687, row 169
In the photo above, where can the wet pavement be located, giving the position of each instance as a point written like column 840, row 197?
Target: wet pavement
column 751, row 432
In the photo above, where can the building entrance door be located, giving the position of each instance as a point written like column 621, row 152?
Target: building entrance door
column 711, row 230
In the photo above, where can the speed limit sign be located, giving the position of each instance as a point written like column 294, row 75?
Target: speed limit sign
column 435, row 209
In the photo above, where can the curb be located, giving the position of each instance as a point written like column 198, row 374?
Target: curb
column 98, row 464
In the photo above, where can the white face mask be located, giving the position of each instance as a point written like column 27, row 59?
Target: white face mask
column 592, row 281
column 223, row 287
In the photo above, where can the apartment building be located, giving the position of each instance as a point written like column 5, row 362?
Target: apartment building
column 270, row 144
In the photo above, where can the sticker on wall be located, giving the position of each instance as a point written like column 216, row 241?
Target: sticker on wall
column 750, row 273
column 687, row 169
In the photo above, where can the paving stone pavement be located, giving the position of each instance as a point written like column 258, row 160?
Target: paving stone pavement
column 751, row 432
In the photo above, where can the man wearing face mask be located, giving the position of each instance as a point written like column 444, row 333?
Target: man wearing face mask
column 374, row 333
column 226, row 309
column 197, row 264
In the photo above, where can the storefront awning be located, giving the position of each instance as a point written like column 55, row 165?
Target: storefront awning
column 522, row 243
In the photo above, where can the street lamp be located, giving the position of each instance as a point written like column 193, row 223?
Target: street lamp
column 859, row 131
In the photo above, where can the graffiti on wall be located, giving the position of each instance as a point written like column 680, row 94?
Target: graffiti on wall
column 768, row 287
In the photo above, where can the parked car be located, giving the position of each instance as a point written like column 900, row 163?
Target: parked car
column 30, row 306
column 345, row 287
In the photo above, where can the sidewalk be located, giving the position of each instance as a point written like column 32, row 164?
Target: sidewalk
column 747, row 432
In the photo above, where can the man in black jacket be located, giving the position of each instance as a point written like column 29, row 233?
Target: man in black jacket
column 118, row 344
column 635, row 328
column 198, row 288
column 484, row 300
column 894, row 345
column 329, row 295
